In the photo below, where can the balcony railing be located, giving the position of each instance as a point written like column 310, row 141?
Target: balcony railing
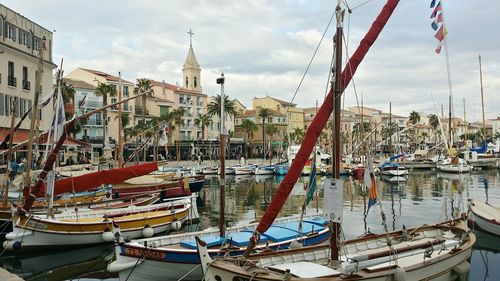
column 26, row 85
column 138, row 110
column 94, row 122
column 12, row 81
column 93, row 104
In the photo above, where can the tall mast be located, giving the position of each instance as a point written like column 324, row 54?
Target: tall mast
column 222, row 147
column 335, row 227
column 465, row 121
column 482, row 99
column 390, row 128
column 450, row 100
column 119, row 152
column 34, row 115
column 9, row 152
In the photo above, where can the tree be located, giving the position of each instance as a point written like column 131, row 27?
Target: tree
column 497, row 135
column 434, row 123
column 215, row 105
column 203, row 120
column 177, row 120
column 358, row 132
column 271, row 129
column 104, row 90
column 145, row 87
column 414, row 117
column 248, row 126
column 264, row 113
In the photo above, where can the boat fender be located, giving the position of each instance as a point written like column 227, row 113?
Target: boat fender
column 176, row 225
column 148, row 231
column 462, row 270
column 12, row 245
column 107, row 235
column 399, row 274
column 295, row 244
column 116, row 267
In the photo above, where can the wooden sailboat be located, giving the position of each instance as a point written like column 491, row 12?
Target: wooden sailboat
column 485, row 216
column 424, row 253
column 176, row 257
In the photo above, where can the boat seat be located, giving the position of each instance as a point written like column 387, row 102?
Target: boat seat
column 320, row 221
column 210, row 240
column 305, row 269
column 280, row 234
column 307, row 227
column 241, row 239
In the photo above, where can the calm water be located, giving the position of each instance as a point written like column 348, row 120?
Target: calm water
column 425, row 197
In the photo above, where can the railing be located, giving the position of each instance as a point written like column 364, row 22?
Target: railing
column 94, row 122
column 26, row 85
column 93, row 104
column 12, row 81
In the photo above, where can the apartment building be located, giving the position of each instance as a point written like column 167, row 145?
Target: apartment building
column 21, row 41
column 86, row 100
column 94, row 77
column 294, row 115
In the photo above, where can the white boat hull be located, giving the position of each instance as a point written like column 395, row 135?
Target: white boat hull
column 399, row 172
column 485, row 217
column 449, row 168
column 264, row 172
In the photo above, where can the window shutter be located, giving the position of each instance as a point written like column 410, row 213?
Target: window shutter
column 2, row 106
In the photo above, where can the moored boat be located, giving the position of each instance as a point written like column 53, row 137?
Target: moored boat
column 265, row 170
column 485, row 217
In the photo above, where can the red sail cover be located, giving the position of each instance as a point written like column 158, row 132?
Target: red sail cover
column 96, row 179
column 321, row 118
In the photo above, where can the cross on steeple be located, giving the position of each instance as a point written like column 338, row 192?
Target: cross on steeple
column 190, row 32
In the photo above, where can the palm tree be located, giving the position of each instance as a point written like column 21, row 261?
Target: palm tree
column 168, row 120
column 358, row 132
column 203, row 120
column 434, row 123
column 297, row 136
column 248, row 126
column 145, row 87
column 104, row 90
column 264, row 113
column 497, row 135
column 215, row 105
column 177, row 120
column 414, row 117
column 271, row 129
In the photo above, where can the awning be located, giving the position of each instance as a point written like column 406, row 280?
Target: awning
column 22, row 135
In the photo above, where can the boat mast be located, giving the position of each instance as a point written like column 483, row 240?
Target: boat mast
column 335, row 227
column 222, row 147
column 466, row 126
column 9, row 152
column 34, row 116
column 119, row 152
column 390, row 128
column 482, row 99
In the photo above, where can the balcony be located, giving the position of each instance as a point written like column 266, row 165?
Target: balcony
column 26, row 85
column 93, row 104
column 12, row 81
column 138, row 110
column 94, row 122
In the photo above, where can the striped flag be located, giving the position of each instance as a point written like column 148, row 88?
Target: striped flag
column 437, row 18
column 373, row 196
column 436, row 10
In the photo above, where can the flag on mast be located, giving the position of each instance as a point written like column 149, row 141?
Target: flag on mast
column 438, row 24
column 373, row 196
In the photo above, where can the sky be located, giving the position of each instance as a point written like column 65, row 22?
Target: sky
column 263, row 48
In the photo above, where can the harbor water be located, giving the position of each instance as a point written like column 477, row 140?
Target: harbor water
column 424, row 197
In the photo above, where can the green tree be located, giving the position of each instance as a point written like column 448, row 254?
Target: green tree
column 249, row 127
column 414, row 117
column 434, row 123
column 214, row 106
column 264, row 113
column 105, row 91
column 271, row 129
column 178, row 121
column 144, row 87
column 203, row 120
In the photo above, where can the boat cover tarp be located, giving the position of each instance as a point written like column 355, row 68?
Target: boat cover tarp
column 92, row 180
column 482, row 149
column 321, row 118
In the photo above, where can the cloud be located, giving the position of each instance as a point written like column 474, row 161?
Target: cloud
column 264, row 47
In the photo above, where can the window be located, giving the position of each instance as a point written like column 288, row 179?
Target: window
column 2, row 101
column 125, row 91
column 11, row 80
column 23, row 37
column 36, row 43
column 26, row 83
column 1, row 25
column 195, row 82
column 187, row 81
column 10, row 32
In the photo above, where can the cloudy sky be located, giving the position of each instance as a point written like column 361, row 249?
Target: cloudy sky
column 263, row 47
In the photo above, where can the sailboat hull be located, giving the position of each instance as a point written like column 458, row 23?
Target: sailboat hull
column 486, row 217
column 440, row 264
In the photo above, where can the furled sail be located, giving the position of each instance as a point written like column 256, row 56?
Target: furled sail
column 321, row 119
column 96, row 179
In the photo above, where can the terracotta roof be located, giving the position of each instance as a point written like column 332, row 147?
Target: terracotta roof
column 22, row 135
column 175, row 88
column 108, row 77
column 255, row 112
column 157, row 99
column 278, row 100
column 78, row 84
